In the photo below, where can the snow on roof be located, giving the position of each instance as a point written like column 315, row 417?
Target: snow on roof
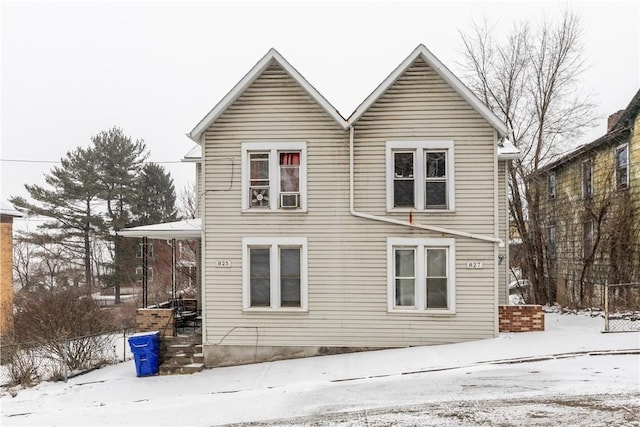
column 185, row 229
column 7, row 209
column 194, row 155
column 506, row 150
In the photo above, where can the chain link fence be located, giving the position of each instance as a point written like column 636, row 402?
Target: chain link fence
column 621, row 307
column 28, row 363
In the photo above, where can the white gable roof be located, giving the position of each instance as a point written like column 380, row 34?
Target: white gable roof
column 248, row 79
column 442, row 71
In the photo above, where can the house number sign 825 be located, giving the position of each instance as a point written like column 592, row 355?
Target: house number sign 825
column 474, row 264
column 223, row 263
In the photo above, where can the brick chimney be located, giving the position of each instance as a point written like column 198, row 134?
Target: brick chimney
column 613, row 119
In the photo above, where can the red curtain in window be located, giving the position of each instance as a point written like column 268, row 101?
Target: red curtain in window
column 290, row 159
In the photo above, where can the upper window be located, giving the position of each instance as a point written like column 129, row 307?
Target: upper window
column 587, row 179
column 274, row 176
column 275, row 273
column 552, row 185
column 149, row 250
column 421, row 274
column 622, row 166
column 420, row 175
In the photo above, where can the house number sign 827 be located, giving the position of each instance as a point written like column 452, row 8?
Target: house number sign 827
column 474, row 264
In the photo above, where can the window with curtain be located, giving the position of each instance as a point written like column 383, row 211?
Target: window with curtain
column 290, row 172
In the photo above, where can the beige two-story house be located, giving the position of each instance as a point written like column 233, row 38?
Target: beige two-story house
column 322, row 234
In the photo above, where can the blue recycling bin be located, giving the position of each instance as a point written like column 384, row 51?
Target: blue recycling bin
column 145, row 347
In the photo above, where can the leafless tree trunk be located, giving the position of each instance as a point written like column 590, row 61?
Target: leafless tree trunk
column 530, row 80
column 187, row 201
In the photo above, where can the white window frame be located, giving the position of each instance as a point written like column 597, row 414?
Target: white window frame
column 616, row 184
column 149, row 250
column 274, row 243
column 420, row 274
column 420, row 148
column 273, row 148
column 149, row 274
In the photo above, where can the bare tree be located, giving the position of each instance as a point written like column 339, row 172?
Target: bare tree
column 187, row 201
column 530, row 79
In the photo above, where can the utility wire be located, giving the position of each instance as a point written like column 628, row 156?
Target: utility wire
column 58, row 161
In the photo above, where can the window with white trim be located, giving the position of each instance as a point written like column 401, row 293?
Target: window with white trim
column 420, row 175
column 421, row 274
column 275, row 273
column 622, row 166
column 274, row 176
column 149, row 274
column 149, row 250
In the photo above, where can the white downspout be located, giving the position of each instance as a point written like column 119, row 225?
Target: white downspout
column 400, row 222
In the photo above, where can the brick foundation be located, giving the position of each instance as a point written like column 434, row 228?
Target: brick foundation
column 155, row 319
column 521, row 318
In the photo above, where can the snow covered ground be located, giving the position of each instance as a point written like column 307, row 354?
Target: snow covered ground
column 571, row 374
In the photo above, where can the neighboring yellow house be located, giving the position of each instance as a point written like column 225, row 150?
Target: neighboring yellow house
column 590, row 206
column 6, row 269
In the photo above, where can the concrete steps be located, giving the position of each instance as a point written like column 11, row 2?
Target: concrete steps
column 182, row 355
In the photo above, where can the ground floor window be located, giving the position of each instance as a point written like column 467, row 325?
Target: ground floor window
column 275, row 273
column 421, row 274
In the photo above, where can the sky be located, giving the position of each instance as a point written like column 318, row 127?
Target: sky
column 155, row 68
column 570, row 374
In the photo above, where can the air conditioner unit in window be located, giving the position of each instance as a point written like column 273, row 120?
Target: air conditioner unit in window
column 289, row 200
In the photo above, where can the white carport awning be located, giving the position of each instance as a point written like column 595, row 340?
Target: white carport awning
column 185, row 229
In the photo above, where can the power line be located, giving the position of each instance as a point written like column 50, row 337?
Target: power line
column 58, row 161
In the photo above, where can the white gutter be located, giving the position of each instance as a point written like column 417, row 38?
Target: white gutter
column 399, row 222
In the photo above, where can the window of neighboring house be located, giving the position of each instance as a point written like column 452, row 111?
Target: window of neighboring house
column 275, row 273
column 587, row 179
column 587, row 238
column 552, row 184
column 149, row 274
column 420, row 175
column 622, row 166
column 149, row 250
column 552, row 241
column 274, row 176
column 421, row 274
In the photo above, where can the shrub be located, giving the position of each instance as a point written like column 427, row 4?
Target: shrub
column 67, row 324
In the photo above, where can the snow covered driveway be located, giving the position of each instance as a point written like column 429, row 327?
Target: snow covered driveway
column 571, row 374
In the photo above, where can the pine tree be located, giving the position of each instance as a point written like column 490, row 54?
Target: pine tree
column 72, row 204
column 156, row 196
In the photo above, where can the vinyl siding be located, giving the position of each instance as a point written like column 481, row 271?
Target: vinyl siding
column 347, row 259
